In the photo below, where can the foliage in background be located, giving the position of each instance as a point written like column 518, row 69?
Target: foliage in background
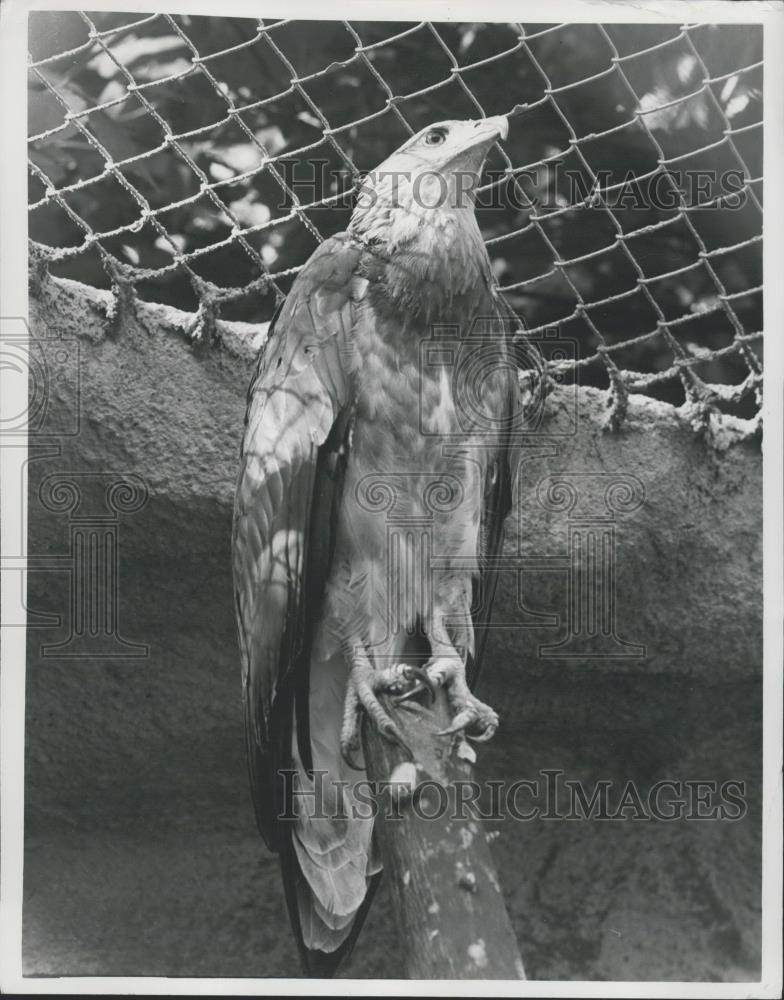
column 499, row 73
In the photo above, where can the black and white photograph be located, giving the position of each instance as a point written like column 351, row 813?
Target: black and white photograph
column 391, row 449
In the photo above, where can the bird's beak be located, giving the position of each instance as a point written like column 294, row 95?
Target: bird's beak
column 476, row 142
column 496, row 127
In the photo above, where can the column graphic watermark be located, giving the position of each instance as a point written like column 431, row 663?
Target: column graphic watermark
column 92, row 561
column 591, row 502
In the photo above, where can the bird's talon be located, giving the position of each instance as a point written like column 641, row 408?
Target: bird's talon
column 462, row 720
column 410, row 695
column 393, row 734
column 423, row 683
column 346, row 753
column 473, row 713
column 487, row 734
column 401, row 743
column 411, row 706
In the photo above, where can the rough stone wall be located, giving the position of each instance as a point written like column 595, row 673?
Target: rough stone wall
column 142, row 855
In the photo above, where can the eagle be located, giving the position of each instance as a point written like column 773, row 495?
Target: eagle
column 375, row 477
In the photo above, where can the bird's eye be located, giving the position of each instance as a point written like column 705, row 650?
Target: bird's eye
column 435, row 137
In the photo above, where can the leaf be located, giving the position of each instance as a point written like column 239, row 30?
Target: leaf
column 162, row 243
column 271, row 138
column 160, row 71
column 686, row 67
column 220, row 171
column 729, row 86
column 241, row 157
column 130, row 49
column 250, row 212
column 736, row 105
column 309, row 119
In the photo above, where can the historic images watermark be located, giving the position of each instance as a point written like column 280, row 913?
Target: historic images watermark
column 551, row 795
column 461, row 411
column 476, row 361
column 94, row 502
column 540, row 187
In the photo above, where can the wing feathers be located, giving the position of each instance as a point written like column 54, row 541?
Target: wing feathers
column 298, row 411
column 298, row 425
column 299, row 389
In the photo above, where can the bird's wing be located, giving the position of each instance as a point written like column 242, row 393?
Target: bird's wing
column 497, row 500
column 299, row 404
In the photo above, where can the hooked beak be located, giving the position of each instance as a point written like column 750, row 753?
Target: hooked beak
column 478, row 142
column 495, row 128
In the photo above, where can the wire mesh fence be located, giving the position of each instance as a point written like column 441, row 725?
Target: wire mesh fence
column 199, row 161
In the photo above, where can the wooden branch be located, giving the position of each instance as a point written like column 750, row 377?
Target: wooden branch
column 448, row 903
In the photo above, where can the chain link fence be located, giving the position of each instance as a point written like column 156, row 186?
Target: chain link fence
column 199, row 161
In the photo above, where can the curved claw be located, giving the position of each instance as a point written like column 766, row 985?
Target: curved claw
column 464, row 719
column 393, row 734
column 423, row 683
column 460, row 721
column 345, row 753
column 484, row 736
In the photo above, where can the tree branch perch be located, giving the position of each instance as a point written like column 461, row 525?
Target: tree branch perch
column 448, row 903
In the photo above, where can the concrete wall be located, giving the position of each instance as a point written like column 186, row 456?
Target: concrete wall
column 142, row 855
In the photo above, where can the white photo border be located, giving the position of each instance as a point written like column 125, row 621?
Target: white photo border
column 13, row 399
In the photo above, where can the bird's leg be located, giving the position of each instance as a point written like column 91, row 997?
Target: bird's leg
column 365, row 682
column 446, row 669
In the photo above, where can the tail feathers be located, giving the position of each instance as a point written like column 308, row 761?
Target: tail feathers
column 334, row 921
column 321, row 930
column 336, row 861
column 334, row 836
column 328, row 948
column 336, row 878
column 330, row 865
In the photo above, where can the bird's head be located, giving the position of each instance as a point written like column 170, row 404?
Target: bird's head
column 421, row 198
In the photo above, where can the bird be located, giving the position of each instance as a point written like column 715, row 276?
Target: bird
column 375, row 476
